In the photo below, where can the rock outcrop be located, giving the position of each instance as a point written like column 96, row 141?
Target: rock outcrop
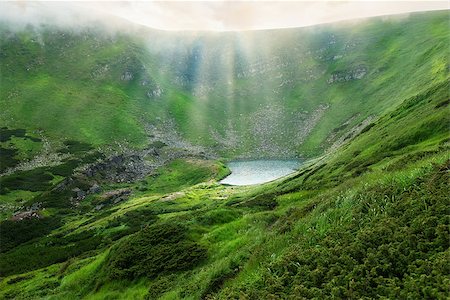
column 127, row 76
column 120, row 168
column 344, row 76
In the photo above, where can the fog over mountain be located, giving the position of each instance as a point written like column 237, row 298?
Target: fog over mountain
column 211, row 15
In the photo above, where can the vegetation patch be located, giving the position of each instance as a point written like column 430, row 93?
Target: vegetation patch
column 32, row 180
column 20, row 278
column 133, row 221
column 14, row 233
column 7, row 158
column 28, row 257
column 6, row 134
column 260, row 202
column 60, row 196
column 218, row 216
column 76, row 147
column 179, row 174
column 157, row 249
column 15, row 145
column 160, row 285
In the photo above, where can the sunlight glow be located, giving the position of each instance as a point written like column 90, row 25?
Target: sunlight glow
column 207, row 15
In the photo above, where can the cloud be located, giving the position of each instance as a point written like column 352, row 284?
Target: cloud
column 209, row 15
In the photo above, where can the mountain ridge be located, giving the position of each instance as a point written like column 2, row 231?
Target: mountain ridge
column 151, row 85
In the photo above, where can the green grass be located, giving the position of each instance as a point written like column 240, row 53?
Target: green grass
column 180, row 174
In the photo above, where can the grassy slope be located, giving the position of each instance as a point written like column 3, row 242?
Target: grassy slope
column 44, row 81
column 382, row 46
column 368, row 221
column 26, row 247
column 44, row 84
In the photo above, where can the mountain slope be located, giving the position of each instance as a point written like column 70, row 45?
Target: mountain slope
column 358, row 223
column 276, row 93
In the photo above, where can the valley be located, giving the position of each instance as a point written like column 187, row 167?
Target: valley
column 115, row 149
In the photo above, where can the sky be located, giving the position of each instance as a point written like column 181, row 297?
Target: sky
column 206, row 15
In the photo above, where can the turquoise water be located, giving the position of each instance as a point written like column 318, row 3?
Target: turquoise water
column 248, row 172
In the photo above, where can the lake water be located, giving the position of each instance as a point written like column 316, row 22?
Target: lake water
column 247, row 172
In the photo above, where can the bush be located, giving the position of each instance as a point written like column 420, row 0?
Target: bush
column 153, row 251
column 30, row 257
column 33, row 180
column 19, row 278
column 219, row 278
column 75, row 147
column 13, row 233
column 159, row 286
column 133, row 220
column 7, row 158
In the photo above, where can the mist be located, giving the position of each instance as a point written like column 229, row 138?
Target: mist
column 200, row 16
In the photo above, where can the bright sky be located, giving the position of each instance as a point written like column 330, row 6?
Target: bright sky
column 207, row 15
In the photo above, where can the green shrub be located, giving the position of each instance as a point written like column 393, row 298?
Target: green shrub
column 30, row 257
column 75, row 147
column 65, row 169
column 155, row 250
column 19, row 278
column 218, row 279
column 159, row 286
column 7, row 158
column 13, row 233
column 134, row 221
column 33, row 180
column 6, row 134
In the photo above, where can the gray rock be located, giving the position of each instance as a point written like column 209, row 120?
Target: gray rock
column 344, row 76
column 116, row 196
column 95, row 189
column 155, row 93
column 120, row 168
column 80, row 194
column 127, row 76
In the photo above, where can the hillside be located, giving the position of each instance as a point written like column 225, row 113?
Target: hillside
column 112, row 147
column 276, row 93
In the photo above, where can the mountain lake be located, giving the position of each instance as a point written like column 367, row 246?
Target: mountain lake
column 249, row 172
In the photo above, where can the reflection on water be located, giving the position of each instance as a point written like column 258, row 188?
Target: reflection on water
column 249, row 172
